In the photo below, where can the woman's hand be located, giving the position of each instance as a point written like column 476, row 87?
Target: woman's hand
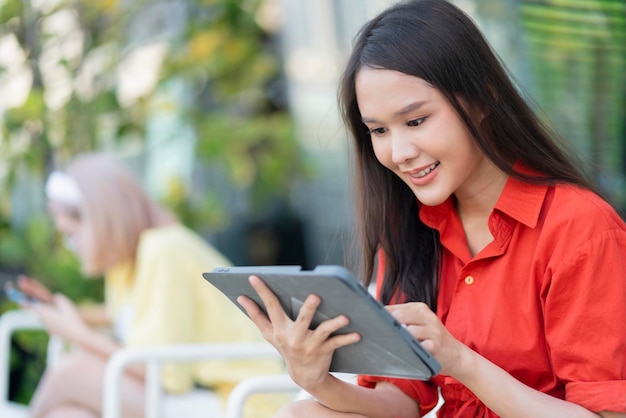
column 34, row 288
column 307, row 353
column 424, row 325
column 62, row 319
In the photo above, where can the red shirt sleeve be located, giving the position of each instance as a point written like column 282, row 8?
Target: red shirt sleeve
column 582, row 300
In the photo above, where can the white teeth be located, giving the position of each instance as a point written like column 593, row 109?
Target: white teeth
column 425, row 171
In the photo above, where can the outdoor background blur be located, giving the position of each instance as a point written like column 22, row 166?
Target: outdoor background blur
column 227, row 111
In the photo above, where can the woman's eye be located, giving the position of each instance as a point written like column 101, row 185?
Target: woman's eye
column 376, row 131
column 416, row 122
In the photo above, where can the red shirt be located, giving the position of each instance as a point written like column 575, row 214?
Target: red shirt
column 545, row 300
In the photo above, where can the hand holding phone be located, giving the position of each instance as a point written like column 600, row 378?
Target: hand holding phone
column 34, row 288
column 18, row 296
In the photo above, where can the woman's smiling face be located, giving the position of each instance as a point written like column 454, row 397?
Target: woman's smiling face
column 418, row 134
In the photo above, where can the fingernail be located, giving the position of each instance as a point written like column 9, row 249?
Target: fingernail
column 313, row 299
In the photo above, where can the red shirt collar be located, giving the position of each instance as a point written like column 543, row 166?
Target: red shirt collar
column 519, row 202
column 522, row 201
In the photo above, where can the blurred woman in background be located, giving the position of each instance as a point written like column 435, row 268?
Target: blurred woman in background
column 154, row 293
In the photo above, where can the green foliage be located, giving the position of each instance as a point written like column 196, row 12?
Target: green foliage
column 74, row 52
column 230, row 72
column 229, row 63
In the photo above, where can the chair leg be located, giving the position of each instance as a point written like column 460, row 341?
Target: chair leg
column 10, row 322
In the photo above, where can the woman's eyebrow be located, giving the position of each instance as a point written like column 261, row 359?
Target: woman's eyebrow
column 400, row 112
column 410, row 108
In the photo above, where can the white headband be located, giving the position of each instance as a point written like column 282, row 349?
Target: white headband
column 62, row 188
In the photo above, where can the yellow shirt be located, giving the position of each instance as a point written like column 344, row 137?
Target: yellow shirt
column 171, row 303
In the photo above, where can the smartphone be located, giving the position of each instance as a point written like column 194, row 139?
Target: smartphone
column 18, row 296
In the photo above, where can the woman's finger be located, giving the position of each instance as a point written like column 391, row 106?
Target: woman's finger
column 306, row 314
column 63, row 303
column 423, row 332
column 341, row 340
column 275, row 311
column 324, row 331
column 328, row 327
column 415, row 313
column 257, row 316
column 44, row 311
column 34, row 288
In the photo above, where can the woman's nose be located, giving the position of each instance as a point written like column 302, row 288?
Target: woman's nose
column 403, row 149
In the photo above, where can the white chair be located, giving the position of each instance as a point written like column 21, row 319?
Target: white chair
column 190, row 405
column 153, row 357
column 9, row 323
column 255, row 385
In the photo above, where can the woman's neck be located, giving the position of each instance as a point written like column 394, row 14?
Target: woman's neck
column 475, row 203
column 477, row 199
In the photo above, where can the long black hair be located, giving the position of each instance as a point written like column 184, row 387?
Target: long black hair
column 435, row 41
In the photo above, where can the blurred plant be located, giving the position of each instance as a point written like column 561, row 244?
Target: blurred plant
column 83, row 75
column 76, row 60
column 228, row 61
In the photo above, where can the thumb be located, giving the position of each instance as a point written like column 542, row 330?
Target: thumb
column 62, row 301
column 42, row 309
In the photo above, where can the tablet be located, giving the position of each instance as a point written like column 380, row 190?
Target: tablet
column 385, row 347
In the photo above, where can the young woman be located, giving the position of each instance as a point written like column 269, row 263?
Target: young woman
column 493, row 249
column 155, row 294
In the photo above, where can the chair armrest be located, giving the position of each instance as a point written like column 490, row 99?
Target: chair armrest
column 10, row 322
column 255, row 385
column 153, row 357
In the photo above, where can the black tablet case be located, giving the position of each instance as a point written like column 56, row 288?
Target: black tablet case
column 385, row 348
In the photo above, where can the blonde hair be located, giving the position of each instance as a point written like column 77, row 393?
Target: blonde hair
column 115, row 210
